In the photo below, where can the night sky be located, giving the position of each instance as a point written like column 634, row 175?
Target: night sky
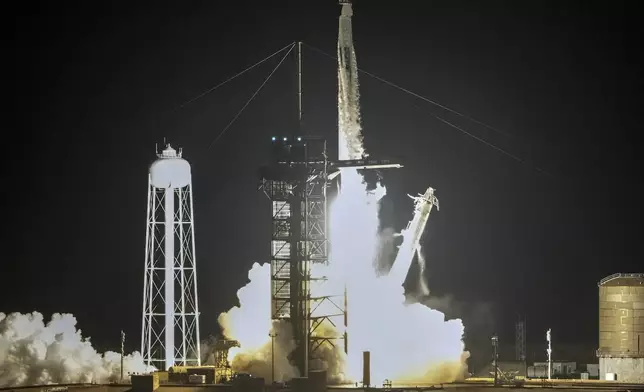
column 96, row 86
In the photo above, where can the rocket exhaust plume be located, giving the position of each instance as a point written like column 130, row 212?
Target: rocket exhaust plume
column 250, row 324
column 427, row 348
column 33, row 352
column 408, row 342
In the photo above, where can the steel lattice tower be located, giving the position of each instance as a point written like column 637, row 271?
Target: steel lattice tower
column 170, row 327
column 296, row 182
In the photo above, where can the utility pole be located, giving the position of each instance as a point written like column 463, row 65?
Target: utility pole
column 520, row 338
column 122, row 352
column 272, row 335
column 549, row 351
column 495, row 345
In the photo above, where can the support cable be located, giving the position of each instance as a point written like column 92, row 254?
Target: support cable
column 292, row 45
column 391, row 84
column 516, row 158
column 479, row 139
column 233, row 77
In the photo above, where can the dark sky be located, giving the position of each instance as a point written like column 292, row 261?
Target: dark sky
column 94, row 87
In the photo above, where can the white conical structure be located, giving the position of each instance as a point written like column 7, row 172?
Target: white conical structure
column 170, row 328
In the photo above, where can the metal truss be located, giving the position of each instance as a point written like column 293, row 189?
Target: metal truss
column 296, row 183
column 170, row 327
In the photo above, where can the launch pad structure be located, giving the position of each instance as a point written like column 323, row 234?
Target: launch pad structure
column 296, row 181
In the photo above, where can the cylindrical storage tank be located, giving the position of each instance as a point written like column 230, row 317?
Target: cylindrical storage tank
column 621, row 327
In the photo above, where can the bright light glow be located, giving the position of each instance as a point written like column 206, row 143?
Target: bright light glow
column 250, row 324
column 408, row 342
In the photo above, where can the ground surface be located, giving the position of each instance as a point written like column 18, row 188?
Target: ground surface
column 464, row 387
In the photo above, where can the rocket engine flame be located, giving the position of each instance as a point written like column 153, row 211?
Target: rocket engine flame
column 33, row 352
column 408, row 342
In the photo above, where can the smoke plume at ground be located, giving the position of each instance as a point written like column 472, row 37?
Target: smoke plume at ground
column 35, row 352
column 250, row 324
column 408, row 342
column 479, row 316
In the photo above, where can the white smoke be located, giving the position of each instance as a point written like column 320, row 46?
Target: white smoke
column 250, row 324
column 408, row 342
column 33, row 352
column 422, row 278
column 386, row 252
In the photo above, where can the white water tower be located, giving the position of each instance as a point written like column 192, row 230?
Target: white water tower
column 170, row 328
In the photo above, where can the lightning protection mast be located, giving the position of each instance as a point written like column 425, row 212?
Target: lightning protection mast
column 170, row 327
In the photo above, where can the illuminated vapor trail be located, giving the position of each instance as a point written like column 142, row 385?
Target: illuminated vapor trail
column 422, row 263
column 33, row 352
column 407, row 342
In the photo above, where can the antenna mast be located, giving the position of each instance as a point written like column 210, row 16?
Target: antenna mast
column 299, row 83
column 122, row 352
column 549, row 351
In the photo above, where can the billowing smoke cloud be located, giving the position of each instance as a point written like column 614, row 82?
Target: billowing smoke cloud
column 258, row 362
column 250, row 324
column 479, row 316
column 208, row 347
column 33, row 352
column 388, row 240
column 408, row 342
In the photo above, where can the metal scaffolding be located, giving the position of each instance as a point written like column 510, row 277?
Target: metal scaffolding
column 296, row 181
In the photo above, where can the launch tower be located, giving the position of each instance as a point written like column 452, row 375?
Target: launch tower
column 296, row 181
column 170, row 327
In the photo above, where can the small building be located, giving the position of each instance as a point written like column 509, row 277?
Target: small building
column 181, row 374
column 593, row 370
column 537, row 371
column 560, row 369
